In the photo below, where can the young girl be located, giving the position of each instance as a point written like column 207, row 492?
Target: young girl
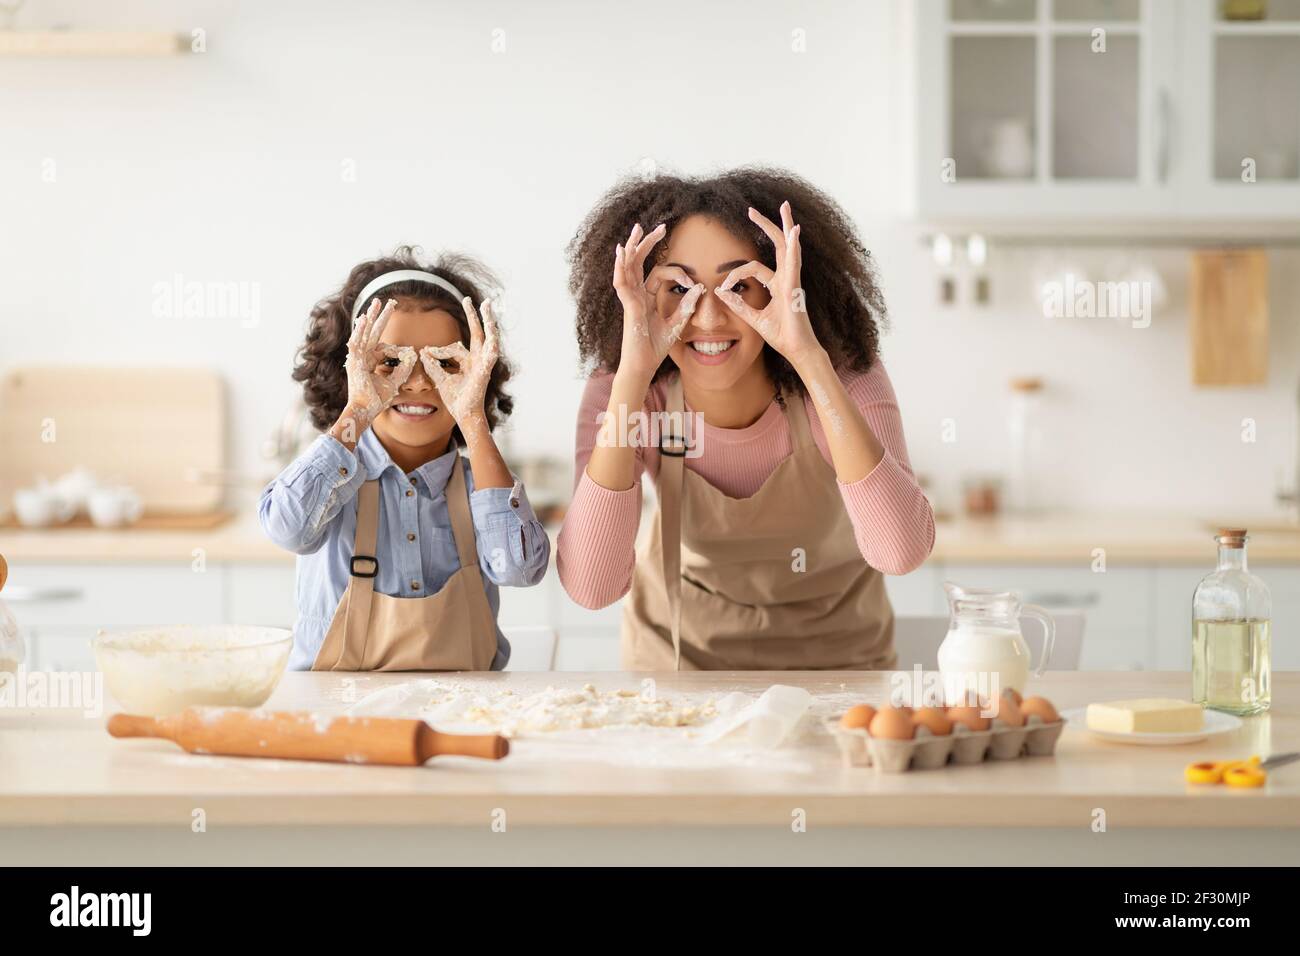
column 776, row 518
column 403, row 543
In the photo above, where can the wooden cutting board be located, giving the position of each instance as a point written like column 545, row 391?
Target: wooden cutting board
column 1229, row 327
column 146, row 428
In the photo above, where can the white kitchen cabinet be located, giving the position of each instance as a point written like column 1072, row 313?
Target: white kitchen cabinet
column 59, row 608
column 1078, row 110
column 259, row 594
column 918, row 594
column 1284, row 587
column 1174, row 587
column 1136, row 617
column 537, row 605
column 1173, row 595
column 1236, row 112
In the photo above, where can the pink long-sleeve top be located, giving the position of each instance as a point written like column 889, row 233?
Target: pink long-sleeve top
column 892, row 519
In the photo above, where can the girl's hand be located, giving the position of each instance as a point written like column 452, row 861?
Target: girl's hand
column 783, row 322
column 376, row 372
column 461, row 375
column 646, row 336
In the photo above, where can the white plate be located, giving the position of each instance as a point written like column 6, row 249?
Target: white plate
column 1216, row 723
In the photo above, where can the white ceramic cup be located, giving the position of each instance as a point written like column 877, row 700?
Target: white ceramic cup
column 40, row 506
column 112, row 507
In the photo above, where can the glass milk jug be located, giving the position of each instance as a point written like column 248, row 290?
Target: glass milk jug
column 1231, row 612
column 984, row 652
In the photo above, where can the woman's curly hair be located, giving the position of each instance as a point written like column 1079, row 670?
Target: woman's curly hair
column 320, row 360
column 844, row 301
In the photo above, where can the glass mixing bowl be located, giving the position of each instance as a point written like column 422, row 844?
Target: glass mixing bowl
column 161, row 670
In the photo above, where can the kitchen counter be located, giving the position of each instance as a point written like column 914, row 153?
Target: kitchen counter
column 1060, row 538
column 70, row 793
column 1126, row 539
column 238, row 540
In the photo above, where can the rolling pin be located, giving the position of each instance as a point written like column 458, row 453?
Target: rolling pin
column 302, row 735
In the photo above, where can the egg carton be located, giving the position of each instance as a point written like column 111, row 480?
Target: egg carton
column 928, row 751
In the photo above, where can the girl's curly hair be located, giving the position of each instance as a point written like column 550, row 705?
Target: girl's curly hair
column 838, row 277
column 320, row 360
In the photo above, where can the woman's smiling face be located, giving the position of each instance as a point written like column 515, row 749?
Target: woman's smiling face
column 418, row 417
column 717, row 347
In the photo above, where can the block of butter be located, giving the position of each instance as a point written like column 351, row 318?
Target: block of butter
column 1148, row 716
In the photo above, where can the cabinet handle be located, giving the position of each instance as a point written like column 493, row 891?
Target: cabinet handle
column 1164, row 123
column 28, row 595
column 1063, row 599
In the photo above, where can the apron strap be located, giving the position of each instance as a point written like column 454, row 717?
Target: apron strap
column 482, row 621
column 462, row 524
column 796, row 416
column 364, row 568
column 672, row 463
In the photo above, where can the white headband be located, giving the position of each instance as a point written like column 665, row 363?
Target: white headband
column 401, row 275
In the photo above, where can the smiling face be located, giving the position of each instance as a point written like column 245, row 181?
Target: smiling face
column 418, row 420
column 717, row 349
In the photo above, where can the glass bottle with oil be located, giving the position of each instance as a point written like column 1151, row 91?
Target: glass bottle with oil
column 1231, row 612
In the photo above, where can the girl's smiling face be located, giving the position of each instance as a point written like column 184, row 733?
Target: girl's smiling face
column 417, row 419
column 717, row 347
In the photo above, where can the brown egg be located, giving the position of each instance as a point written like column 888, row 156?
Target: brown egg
column 1013, row 694
column 1009, row 711
column 893, row 723
column 858, row 718
column 934, row 719
column 1041, row 708
column 969, row 717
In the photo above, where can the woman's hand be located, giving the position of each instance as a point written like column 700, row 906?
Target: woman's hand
column 462, row 375
column 783, row 322
column 375, row 370
column 646, row 336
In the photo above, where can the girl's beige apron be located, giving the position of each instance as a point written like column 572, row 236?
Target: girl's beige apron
column 451, row 630
column 770, row 582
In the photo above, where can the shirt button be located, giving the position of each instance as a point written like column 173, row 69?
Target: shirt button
column 412, row 479
column 415, row 585
column 514, row 502
column 409, row 492
column 410, row 536
column 343, row 472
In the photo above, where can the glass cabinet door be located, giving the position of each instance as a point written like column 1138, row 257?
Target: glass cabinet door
column 993, row 106
column 1256, row 84
column 1047, row 93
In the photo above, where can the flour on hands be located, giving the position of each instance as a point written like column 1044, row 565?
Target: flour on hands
column 647, row 336
column 462, row 375
column 369, row 391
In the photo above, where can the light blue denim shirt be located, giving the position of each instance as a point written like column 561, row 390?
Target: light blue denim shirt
column 311, row 510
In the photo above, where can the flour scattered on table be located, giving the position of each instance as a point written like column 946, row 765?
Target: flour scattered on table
column 561, row 709
column 550, row 725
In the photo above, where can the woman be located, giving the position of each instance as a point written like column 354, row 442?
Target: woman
column 778, row 516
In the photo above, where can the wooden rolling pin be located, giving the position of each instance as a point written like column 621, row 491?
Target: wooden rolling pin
column 302, row 735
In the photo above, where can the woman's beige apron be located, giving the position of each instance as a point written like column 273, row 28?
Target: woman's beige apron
column 452, row 630
column 770, row 582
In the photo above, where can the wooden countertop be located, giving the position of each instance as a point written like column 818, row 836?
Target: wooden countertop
column 1127, row 539
column 62, row 769
column 238, row 540
column 1054, row 538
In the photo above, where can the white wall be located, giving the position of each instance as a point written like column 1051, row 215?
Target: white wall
column 227, row 167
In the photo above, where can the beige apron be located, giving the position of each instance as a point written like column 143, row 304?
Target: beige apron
column 770, row 582
column 451, row 630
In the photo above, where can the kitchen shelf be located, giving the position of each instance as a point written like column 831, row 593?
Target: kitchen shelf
column 1161, row 235
column 1276, row 28
column 87, row 43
